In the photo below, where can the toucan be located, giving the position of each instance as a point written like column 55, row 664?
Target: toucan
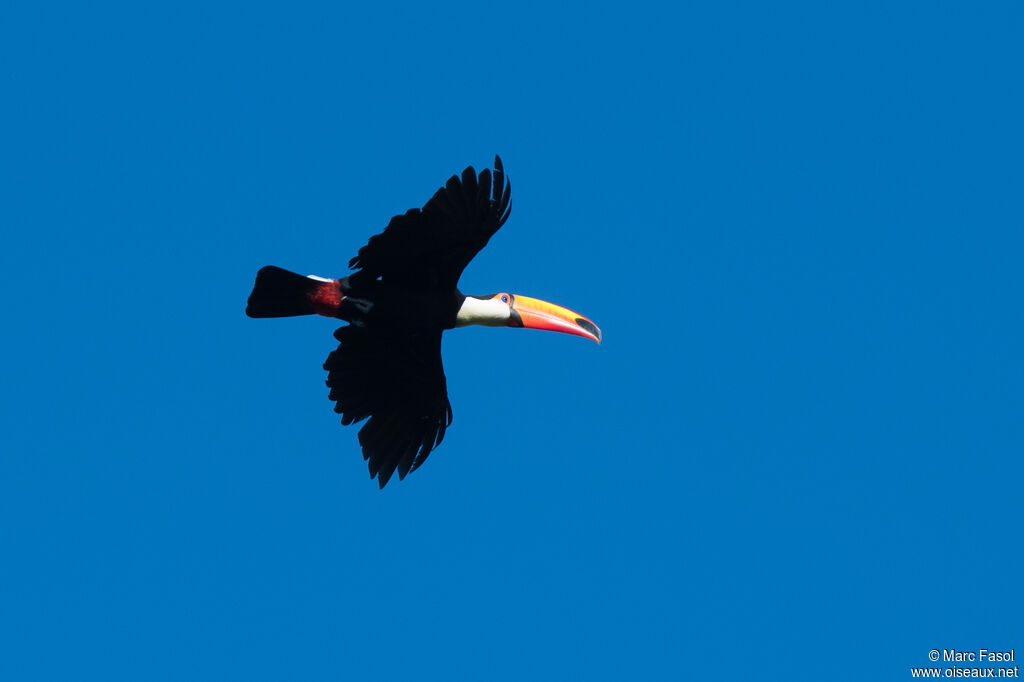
column 403, row 294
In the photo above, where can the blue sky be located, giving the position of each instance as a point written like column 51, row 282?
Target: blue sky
column 797, row 454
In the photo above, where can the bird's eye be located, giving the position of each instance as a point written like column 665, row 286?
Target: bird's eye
column 504, row 298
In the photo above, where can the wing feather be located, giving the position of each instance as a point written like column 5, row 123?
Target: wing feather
column 433, row 245
column 396, row 382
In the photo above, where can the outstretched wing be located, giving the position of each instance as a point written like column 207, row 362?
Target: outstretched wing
column 431, row 247
column 395, row 379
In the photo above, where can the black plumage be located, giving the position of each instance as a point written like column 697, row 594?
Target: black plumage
column 394, row 378
column 387, row 367
column 430, row 247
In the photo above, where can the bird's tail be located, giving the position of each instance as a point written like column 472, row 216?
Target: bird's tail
column 280, row 293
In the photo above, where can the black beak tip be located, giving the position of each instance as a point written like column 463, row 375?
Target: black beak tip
column 589, row 327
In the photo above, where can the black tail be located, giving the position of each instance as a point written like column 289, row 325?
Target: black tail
column 280, row 293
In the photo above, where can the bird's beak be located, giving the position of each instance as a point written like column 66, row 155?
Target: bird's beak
column 533, row 313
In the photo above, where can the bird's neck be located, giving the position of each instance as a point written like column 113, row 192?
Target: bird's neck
column 482, row 311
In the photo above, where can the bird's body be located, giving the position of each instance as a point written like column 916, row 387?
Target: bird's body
column 397, row 306
column 400, row 299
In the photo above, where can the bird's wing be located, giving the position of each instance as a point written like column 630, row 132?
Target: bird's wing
column 430, row 247
column 395, row 379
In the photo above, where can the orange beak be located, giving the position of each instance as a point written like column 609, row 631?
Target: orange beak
column 533, row 313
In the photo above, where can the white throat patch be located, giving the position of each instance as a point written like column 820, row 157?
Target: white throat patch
column 489, row 312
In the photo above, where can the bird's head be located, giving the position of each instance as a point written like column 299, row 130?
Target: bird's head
column 510, row 310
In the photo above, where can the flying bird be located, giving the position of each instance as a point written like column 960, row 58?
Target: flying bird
column 402, row 296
